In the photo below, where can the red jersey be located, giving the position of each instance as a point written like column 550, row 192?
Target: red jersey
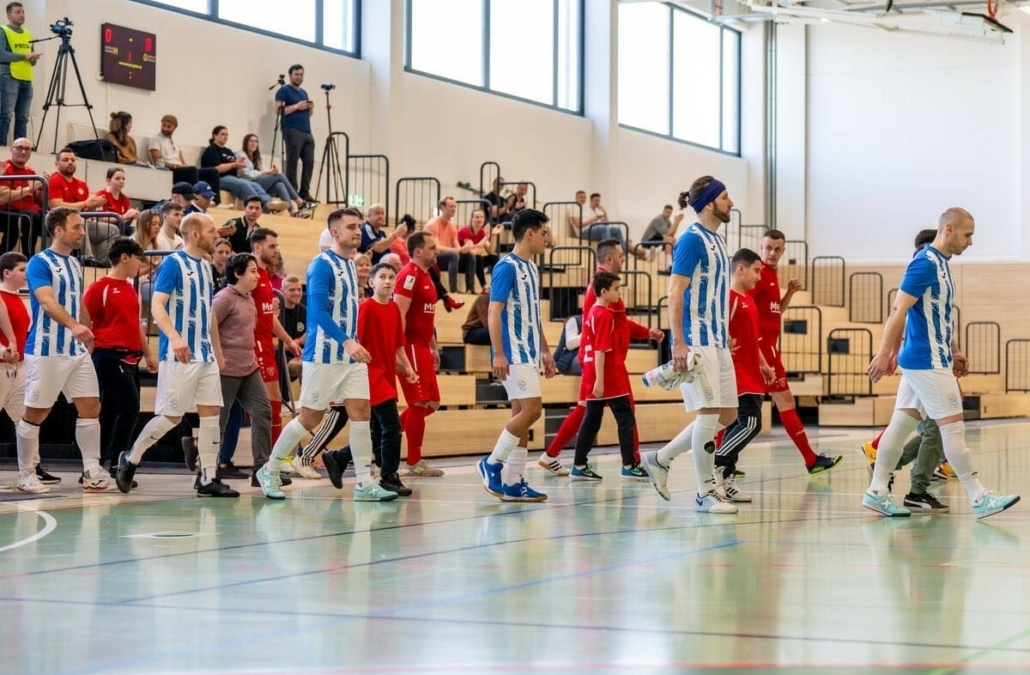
column 20, row 321
column 379, row 331
column 466, row 234
column 600, row 334
column 744, row 329
column 114, row 204
column 27, row 203
column 766, row 294
column 113, row 307
column 400, row 247
column 264, row 302
column 630, row 330
column 73, row 190
column 416, row 285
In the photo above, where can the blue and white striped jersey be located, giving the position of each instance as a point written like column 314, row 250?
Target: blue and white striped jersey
column 701, row 255
column 930, row 323
column 514, row 282
column 189, row 284
column 333, row 297
column 64, row 274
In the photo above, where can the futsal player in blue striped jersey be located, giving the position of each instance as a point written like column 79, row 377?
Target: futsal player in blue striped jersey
column 519, row 350
column 699, row 318
column 189, row 353
column 57, row 353
column 334, row 365
column 919, row 338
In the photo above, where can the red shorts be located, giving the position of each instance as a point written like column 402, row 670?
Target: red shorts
column 772, row 357
column 267, row 363
column 426, row 389
column 586, row 384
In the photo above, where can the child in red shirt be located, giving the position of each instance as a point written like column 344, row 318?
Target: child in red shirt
column 602, row 353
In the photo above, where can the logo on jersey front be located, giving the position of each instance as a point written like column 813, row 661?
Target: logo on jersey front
column 429, row 308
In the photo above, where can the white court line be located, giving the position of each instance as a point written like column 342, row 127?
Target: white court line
column 51, row 525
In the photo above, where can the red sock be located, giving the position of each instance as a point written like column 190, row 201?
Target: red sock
column 876, row 441
column 718, row 438
column 277, row 420
column 792, row 425
column 415, row 431
column 569, row 428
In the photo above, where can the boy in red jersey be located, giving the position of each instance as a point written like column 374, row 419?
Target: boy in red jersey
column 752, row 371
column 770, row 310
column 12, row 356
column 603, row 352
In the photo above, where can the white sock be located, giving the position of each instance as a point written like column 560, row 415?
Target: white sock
column 705, row 428
column 87, row 437
column 676, row 446
column 953, row 439
column 28, row 446
column 154, row 431
column 513, row 469
column 361, row 448
column 505, row 445
column 208, row 438
column 889, row 450
column 289, row 438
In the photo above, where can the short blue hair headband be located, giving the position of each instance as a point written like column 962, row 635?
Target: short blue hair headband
column 714, row 189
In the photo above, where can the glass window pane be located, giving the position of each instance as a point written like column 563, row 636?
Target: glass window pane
column 298, row 23
column 338, row 24
column 570, row 22
column 199, row 6
column 730, row 90
column 644, row 66
column 446, row 39
column 517, row 67
column 696, row 95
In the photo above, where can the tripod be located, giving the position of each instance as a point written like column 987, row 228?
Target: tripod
column 58, row 84
column 335, row 185
column 278, row 124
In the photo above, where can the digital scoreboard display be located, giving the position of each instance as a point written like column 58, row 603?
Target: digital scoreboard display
column 128, row 57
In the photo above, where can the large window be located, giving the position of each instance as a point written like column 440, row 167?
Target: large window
column 679, row 75
column 528, row 49
column 332, row 24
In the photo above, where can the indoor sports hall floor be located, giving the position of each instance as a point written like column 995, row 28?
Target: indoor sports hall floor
column 604, row 577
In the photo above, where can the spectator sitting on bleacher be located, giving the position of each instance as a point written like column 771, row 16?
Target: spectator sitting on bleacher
column 220, row 158
column 405, row 226
column 442, row 228
column 182, row 194
column 168, row 238
column 238, row 230
column 223, row 251
column 67, row 190
column 393, row 260
column 475, row 330
column 363, row 268
column 375, row 241
column 271, row 179
column 148, row 224
column 478, row 252
column 516, row 201
column 118, row 134
column 660, row 234
column 594, row 223
column 498, row 204
column 21, row 201
column 165, row 153
column 566, row 354
column 202, row 200
column 293, row 316
column 117, row 201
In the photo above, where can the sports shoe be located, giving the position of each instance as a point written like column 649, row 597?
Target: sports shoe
column 97, row 480
column 521, row 492
column 635, row 472
column 335, row 465
column 739, row 475
column 734, row 493
column 991, row 503
column 31, row 484
column 284, row 480
column 870, row 453
column 392, row 482
column 884, row 505
column 304, row 470
column 423, row 470
column 586, row 473
column 126, row 470
column 553, row 466
column 719, row 482
column 658, row 474
column 373, row 493
column 46, row 477
column 713, row 503
column 925, row 502
column 823, row 463
column 270, row 483
column 190, row 452
column 216, row 489
column 938, row 474
column 946, row 469
column 230, row 470
column 491, row 475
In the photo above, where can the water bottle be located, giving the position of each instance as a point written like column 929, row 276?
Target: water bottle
column 664, row 376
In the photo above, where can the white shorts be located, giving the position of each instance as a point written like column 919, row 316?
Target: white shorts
column 47, row 377
column 715, row 385
column 12, row 390
column 523, row 381
column 323, row 384
column 934, row 393
column 181, row 386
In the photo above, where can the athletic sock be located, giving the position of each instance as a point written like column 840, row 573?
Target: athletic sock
column 511, row 474
column 505, row 445
column 703, row 437
column 894, row 436
column 792, row 425
column 953, row 439
column 28, row 446
column 361, row 449
column 87, row 437
column 676, row 446
column 155, row 429
column 277, row 420
column 415, row 431
column 289, row 438
column 567, row 431
column 207, row 448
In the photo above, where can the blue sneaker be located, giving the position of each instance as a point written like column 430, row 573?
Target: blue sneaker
column 491, row 475
column 991, row 503
column 634, row 472
column 586, row 473
column 520, row 492
column 270, row 483
column 884, row 505
column 658, row 474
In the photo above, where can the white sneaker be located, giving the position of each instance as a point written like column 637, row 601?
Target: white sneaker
column 32, row 485
column 720, row 482
column 552, row 466
column 96, row 480
column 304, row 470
column 712, row 503
column 658, row 474
column 424, row 470
column 734, row 493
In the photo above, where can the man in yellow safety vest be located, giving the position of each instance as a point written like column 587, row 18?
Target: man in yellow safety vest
column 16, row 62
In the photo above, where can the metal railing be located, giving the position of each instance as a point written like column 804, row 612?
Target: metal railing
column 568, row 271
column 28, row 224
column 865, row 297
column 892, row 295
column 637, row 287
column 102, row 227
column 849, row 351
column 368, row 179
column 530, row 193
column 794, row 263
column 801, row 340
column 983, row 347
column 488, row 172
column 561, row 215
column 828, row 274
column 419, row 196
column 1017, row 365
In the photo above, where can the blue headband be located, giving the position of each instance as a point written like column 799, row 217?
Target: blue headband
column 714, row 189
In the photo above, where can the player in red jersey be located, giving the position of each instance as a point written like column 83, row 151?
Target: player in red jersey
column 12, row 355
column 416, row 296
column 753, row 373
column 771, row 306
column 610, row 258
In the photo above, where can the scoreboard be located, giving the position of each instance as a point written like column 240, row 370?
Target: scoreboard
column 128, row 57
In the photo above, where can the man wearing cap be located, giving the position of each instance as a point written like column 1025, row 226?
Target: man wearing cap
column 203, row 199
column 296, row 109
column 182, row 194
column 16, row 62
column 165, row 153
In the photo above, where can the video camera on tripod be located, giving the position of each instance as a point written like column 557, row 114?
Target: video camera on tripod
column 62, row 28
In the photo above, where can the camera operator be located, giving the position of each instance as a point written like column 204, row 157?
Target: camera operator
column 16, row 62
column 297, row 109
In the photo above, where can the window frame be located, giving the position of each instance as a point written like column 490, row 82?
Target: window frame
column 485, row 87
column 722, row 84
column 212, row 16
